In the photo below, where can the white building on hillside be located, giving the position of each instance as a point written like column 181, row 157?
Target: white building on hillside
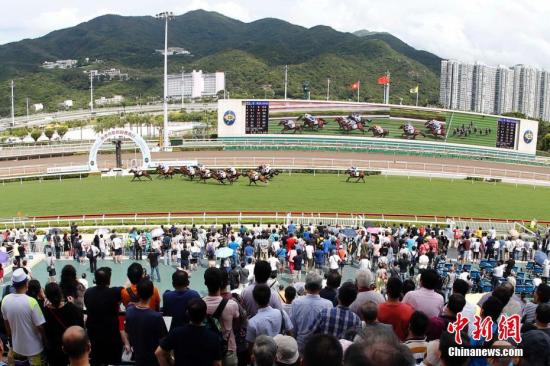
column 195, row 84
column 59, row 64
column 116, row 99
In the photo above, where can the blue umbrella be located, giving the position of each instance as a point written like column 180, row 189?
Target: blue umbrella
column 540, row 257
column 224, row 252
column 349, row 232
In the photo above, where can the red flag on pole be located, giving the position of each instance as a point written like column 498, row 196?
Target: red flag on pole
column 355, row 85
column 383, row 80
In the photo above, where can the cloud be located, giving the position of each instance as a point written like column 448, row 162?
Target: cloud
column 491, row 31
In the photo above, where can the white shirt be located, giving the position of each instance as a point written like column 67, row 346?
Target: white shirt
column 273, row 262
column 364, row 264
column 117, row 243
column 498, row 271
column 23, row 314
column 333, row 261
column 546, row 268
column 309, row 251
column 423, row 261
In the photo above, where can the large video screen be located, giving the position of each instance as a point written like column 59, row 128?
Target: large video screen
column 257, row 117
column 506, row 133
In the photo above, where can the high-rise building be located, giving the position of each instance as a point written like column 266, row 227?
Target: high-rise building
column 195, row 84
column 504, row 90
column 495, row 90
column 542, row 106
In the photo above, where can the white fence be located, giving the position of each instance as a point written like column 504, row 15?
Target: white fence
column 218, row 218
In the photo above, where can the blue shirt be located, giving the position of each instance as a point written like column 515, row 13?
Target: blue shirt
column 327, row 245
column 267, row 321
column 248, row 251
column 291, row 229
column 145, row 328
column 233, row 245
column 175, row 305
column 307, row 235
column 305, row 311
column 319, row 256
column 410, row 243
column 281, row 253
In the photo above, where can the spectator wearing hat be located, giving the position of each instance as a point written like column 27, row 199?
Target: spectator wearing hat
column 287, row 351
column 24, row 321
column 306, row 309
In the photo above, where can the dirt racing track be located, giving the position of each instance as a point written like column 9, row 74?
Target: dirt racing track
column 311, row 160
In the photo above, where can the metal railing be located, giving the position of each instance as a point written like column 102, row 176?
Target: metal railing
column 261, row 217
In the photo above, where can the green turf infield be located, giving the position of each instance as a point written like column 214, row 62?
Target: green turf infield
column 457, row 120
column 297, row 192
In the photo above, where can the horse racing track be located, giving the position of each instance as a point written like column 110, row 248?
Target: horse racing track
column 287, row 192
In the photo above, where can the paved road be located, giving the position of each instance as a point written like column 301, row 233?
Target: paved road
column 45, row 118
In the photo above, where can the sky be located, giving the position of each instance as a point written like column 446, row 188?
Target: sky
column 494, row 32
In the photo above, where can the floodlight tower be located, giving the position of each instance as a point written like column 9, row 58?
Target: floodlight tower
column 167, row 16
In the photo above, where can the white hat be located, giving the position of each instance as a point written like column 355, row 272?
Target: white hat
column 287, row 349
column 19, row 277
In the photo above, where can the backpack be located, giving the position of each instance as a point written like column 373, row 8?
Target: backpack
column 213, row 322
column 240, row 325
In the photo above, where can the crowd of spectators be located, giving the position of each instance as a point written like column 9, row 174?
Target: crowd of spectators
column 397, row 310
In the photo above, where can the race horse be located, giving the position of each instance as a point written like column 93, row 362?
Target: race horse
column 221, row 176
column 254, row 177
column 290, row 125
column 347, row 126
column 357, row 174
column 378, row 131
column 269, row 173
column 436, row 128
column 165, row 173
column 204, row 175
column 189, row 172
column 411, row 133
column 314, row 124
column 138, row 174
column 232, row 175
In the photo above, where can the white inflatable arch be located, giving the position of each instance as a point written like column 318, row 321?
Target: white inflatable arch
column 119, row 133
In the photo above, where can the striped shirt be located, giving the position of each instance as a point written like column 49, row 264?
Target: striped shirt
column 336, row 321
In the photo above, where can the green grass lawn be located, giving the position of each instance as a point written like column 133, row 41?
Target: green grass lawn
column 299, row 192
column 393, row 125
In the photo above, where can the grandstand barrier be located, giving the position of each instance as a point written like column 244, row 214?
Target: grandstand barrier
column 349, row 219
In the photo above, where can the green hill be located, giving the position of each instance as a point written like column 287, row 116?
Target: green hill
column 253, row 55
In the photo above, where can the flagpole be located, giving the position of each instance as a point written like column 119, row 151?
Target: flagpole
column 358, row 87
column 388, row 88
column 417, row 95
column 328, row 88
column 286, row 79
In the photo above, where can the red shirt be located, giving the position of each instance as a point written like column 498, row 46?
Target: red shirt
column 397, row 315
column 290, row 242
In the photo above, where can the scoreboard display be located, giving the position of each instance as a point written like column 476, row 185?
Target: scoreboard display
column 506, row 133
column 257, row 117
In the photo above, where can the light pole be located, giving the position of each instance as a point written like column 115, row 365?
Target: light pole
column 182, row 87
column 167, row 16
column 328, row 88
column 12, row 106
column 91, row 91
